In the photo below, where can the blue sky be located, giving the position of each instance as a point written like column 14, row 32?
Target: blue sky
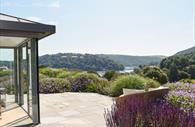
column 132, row 27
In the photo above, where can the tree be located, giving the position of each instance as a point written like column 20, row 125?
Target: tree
column 183, row 75
column 191, row 71
column 173, row 74
column 109, row 75
column 155, row 73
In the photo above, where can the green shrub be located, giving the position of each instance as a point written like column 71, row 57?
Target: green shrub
column 54, row 85
column 155, row 73
column 64, row 74
column 42, row 76
column 191, row 71
column 10, row 89
column 94, row 72
column 5, row 72
column 103, row 86
column 183, row 75
column 48, row 72
column 187, row 81
column 130, row 82
column 52, row 73
column 7, row 83
column 109, row 75
column 150, row 83
column 88, row 82
column 84, row 82
column 91, row 87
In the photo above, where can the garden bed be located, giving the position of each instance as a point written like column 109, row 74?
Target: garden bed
column 147, row 109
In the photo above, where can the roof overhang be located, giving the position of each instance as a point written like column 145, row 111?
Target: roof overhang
column 13, row 33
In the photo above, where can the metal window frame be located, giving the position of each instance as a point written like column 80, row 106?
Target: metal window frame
column 33, row 32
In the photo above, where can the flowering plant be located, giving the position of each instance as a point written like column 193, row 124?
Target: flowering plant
column 183, row 96
column 140, row 110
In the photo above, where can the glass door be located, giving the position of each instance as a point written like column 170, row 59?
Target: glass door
column 30, row 80
column 26, row 78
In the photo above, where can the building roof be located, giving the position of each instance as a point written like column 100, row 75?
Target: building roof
column 14, row 31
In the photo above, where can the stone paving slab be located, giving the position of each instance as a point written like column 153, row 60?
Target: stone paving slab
column 73, row 110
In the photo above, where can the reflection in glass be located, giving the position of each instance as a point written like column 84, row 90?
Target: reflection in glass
column 7, row 86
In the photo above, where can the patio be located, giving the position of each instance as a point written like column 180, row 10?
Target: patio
column 73, row 110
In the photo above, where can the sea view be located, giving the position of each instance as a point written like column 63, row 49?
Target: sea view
column 97, row 63
column 126, row 70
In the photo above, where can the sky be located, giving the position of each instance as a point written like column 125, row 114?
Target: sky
column 130, row 27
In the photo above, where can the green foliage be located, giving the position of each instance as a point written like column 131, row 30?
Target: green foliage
column 191, row 71
column 183, row 75
column 109, row 75
column 150, row 83
column 187, row 51
column 187, row 81
column 87, row 82
column 48, row 72
column 62, row 80
column 5, row 72
column 79, row 61
column 10, row 89
column 103, row 87
column 173, row 74
column 53, row 73
column 131, row 82
column 52, row 81
column 94, row 72
column 68, row 74
column 180, row 66
column 155, row 73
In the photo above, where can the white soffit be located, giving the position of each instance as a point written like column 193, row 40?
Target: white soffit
column 10, row 41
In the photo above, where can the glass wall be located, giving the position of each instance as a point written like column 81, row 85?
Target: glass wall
column 7, row 84
column 19, row 78
column 30, row 79
column 26, row 80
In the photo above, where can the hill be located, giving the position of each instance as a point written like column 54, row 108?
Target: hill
column 181, row 65
column 128, row 60
column 97, row 62
column 79, row 61
column 187, row 51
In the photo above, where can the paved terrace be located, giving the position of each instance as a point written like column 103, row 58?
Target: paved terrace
column 73, row 110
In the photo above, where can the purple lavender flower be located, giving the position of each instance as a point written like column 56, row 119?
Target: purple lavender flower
column 141, row 111
column 183, row 96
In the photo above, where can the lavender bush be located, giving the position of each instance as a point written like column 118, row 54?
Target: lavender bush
column 54, row 85
column 85, row 82
column 183, row 96
column 186, row 87
column 142, row 110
